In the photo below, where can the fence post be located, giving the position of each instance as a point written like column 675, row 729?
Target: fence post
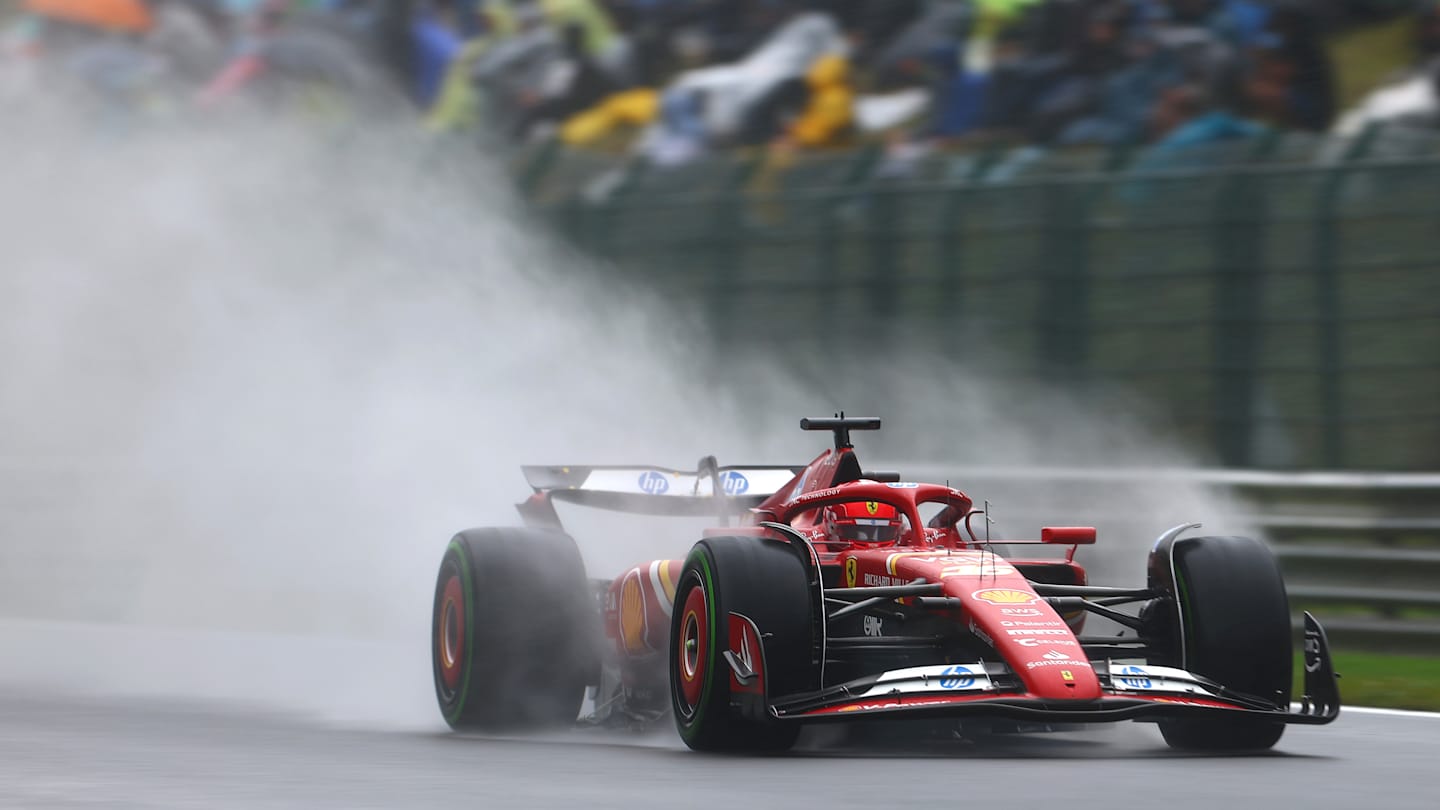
column 1237, row 334
column 827, row 248
column 608, row 211
column 727, row 247
column 1063, row 319
column 1328, row 303
column 539, row 164
column 886, row 255
column 951, row 254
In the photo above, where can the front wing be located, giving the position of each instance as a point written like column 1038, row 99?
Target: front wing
column 1131, row 692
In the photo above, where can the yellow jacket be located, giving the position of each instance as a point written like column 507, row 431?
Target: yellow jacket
column 830, row 112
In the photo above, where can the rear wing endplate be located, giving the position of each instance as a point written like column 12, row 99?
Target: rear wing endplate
column 647, row 490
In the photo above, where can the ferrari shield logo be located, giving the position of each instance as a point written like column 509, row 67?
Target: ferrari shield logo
column 632, row 614
column 872, row 507
column 850, row 576
column 1004, row 596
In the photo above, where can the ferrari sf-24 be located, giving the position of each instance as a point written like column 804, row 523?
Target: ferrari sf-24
column 829, row 594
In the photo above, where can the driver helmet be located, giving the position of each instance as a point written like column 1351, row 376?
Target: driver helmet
column 863, row 522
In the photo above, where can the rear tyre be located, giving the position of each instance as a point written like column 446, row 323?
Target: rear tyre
column 1234, row 628
column 514, row 631
column 764, row 581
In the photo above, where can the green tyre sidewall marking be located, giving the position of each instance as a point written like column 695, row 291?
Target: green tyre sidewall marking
column 707, row 580
column 467, row 589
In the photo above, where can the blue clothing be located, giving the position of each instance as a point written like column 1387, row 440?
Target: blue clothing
column 435, row 46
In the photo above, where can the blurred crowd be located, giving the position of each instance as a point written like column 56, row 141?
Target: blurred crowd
column 673, row 80
column 143, row 57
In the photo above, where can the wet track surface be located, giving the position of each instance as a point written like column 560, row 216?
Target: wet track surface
column 58, row 751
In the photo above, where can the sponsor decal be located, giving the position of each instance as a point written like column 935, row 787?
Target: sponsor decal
column 662, row 584
column 1066, row 663
column 980, row 634
column 1312, row 651
column 800, row 485
column 874, row 626
column 1009, row 611
column 1056, row 655
column 957, row 677
column 817, row 495
column 745, row 645
column 907, row 701
column 1024, row 623
column 654, row 483
column 867, row 707
column 850, row 566
column 872, row 507
column 1133, row 677
column 1004, row 596
column 1183, row 702
column 1047, row 642
column 734, row 483
column 920, row 680
column 903, row 485
column 981, row 569
column 883, row 581
column 1037, row 632
column 924, row 557
column 632, row 614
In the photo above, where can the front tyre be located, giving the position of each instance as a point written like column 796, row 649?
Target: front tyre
column 1230, row 623
column 514, row 630
column 761, row 583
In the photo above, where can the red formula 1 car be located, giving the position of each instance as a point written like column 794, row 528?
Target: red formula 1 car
column 843, row 595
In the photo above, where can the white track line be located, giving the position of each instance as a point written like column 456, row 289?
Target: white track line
column 1393, row 712
column 1373, row 710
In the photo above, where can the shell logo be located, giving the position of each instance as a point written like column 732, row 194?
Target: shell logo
column 1004, row 596
column 632, row 615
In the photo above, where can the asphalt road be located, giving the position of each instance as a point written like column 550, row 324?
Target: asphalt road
column 69, row 751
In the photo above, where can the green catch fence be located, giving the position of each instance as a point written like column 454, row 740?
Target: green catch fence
column 1277, row 298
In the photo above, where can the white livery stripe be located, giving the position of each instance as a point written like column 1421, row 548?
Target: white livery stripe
column 660, row 595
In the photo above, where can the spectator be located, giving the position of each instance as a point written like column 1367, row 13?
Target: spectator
column 1189, row 120
column 829, row 113
column 1302, row 65
column 1410, row 98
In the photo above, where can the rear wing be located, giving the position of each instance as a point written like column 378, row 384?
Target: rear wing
column 646, row 490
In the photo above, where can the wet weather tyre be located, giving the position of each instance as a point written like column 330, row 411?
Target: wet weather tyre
column 764, row 581
column 514, row 634
column 1233, row 627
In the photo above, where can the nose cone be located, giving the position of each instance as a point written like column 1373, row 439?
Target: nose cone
column 1032, row 638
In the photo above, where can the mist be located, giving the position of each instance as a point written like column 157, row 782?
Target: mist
column 256, row 375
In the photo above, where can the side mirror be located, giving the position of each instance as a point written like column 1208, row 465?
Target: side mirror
column 1068, row 535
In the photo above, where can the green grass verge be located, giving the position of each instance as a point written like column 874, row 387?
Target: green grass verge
column 1389, row 681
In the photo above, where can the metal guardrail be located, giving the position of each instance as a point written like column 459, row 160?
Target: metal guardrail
column 1273, row 300
column 1360, row 550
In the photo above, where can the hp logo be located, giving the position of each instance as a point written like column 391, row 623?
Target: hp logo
column 734, row 483
column 957, row 677
column 654, row 483
column 1137, row 679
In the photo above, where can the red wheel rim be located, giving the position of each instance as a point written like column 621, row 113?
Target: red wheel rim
column 694, row 630
column 450, row 631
